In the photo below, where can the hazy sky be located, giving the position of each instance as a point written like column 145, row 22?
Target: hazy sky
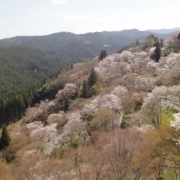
column 41, row 17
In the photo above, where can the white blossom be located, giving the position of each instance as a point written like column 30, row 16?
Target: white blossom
column 87, row 111
column 111, row 101
column 68, row 91
column 119, row 91
column 144, row 84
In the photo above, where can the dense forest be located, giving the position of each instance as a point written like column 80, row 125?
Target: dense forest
column 13, row 105
column 21, row 67
column 23, row 72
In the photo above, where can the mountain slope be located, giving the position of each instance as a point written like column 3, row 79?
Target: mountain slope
column 22, row 67
column 88, row 45
column 129, row 118
column 62, row 44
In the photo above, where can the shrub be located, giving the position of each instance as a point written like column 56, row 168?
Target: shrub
column 75, row 141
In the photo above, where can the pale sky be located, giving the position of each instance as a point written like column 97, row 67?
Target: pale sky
column 42, row 17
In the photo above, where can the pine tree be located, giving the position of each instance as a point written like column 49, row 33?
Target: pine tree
column 137, row 42
column 84, row 93
column 178, row 37
column 102, row 55
column 92, row 78
column 162, row 44
column 66, row 105
column 157, row 51
column 5, row 138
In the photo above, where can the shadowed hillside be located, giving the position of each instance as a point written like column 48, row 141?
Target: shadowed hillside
column 22, row 67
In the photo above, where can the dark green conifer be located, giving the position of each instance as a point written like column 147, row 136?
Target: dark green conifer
column 92, row 78
column 66, row 105
column 157, row 51
column 178, row 37
column 102, row 55
column 5, row 138
column 84, row 93
column 137, row 42
column 162, row 44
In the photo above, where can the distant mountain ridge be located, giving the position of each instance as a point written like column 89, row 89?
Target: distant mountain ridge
column 79, row 47
column 165, row 31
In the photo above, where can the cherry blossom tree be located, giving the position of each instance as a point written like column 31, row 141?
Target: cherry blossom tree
column 87, row 111
column 69, row 91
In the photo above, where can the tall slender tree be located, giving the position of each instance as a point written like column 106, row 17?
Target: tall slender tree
column 178, row 37
column 84, row 92
column 157, row 51
column 137, row 42
column 92, row 78
column 162, row 43
column 102, row 55
column 5, row 138
column 66, row 105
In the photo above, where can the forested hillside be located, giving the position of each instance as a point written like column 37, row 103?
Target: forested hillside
column 23, row 73
column 66, row 45
column 22, row 67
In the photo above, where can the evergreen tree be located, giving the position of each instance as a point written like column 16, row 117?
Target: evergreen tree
column 162, row 44
column 92, row 78
column 66, row 105
column 178, row 37
column 102, row 55
column 137, row 42
column 84, row 93
column 157, row 51
column 5, row 138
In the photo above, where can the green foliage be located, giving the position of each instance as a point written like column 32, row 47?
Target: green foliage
column 178, row 37
column 5, row 138
column 84, row 93
column 22, row 67
column 57, row 153
column 167, row 115
column 66, row 105
column 92, row 79
column 123, row 122
column 158, row 83
column 75, row 141
column 102, row 55
column 162, row 44
column 13, row 105
column 157, row 52
column 174, row 47
column 150, row 41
